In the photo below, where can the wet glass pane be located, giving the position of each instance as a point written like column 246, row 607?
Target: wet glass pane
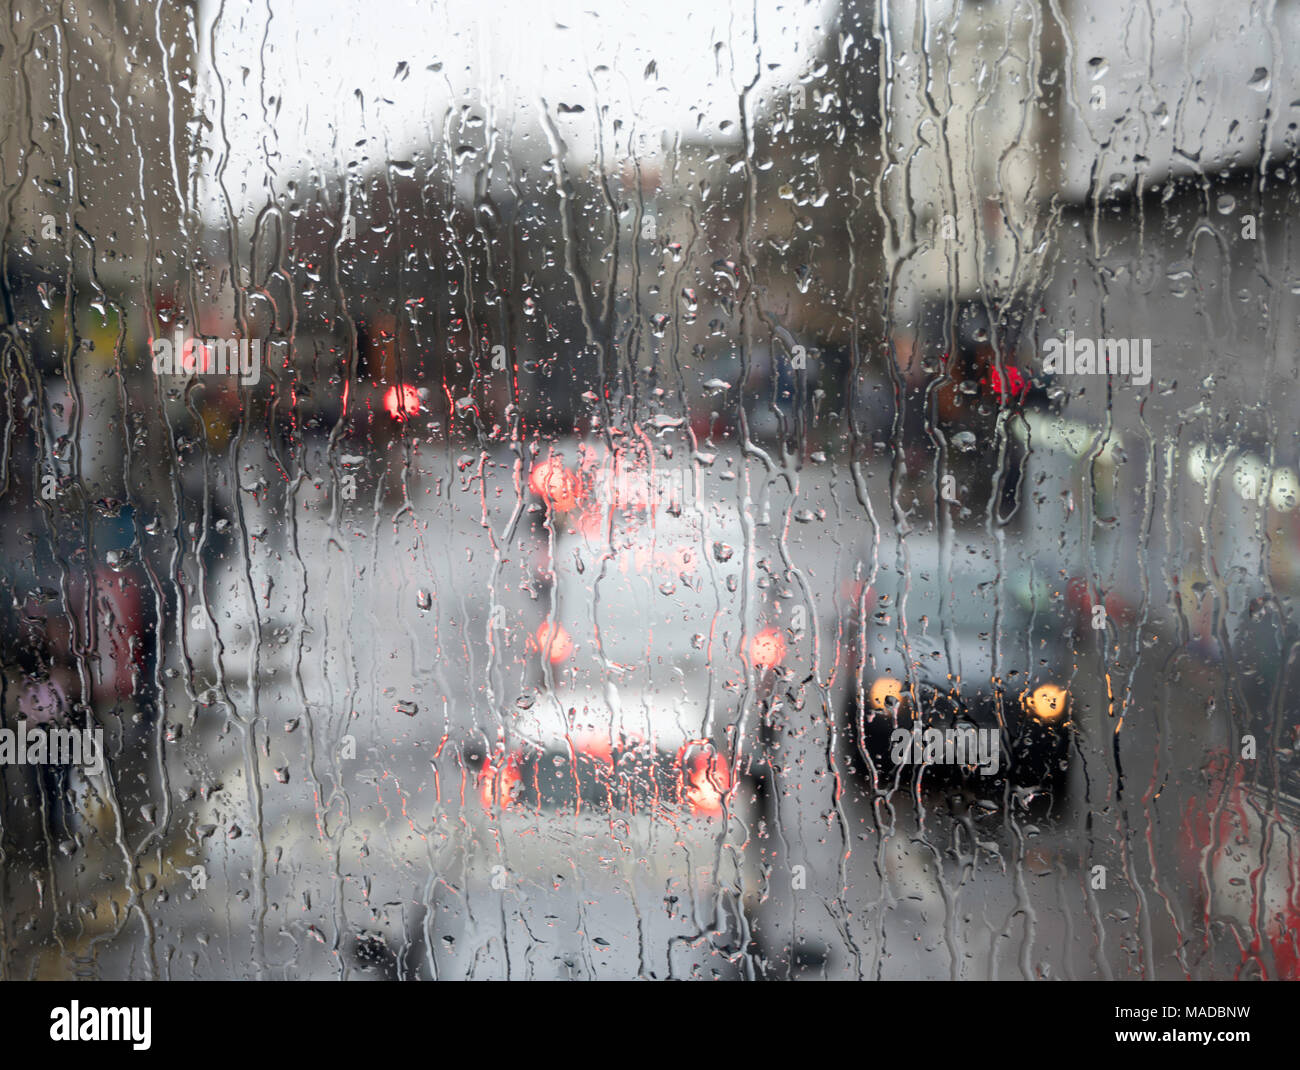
column 693, row 490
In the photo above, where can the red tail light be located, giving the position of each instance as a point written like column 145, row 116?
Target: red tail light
column 402, row 402
column 551, row 481
column 497, row 783
column 553, row 641
column 705, row 777
column 767, row 649
column 1012, row 385
column 595, row 745
column 196, row 357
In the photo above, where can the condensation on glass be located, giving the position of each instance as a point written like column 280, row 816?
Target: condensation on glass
column 713, row 490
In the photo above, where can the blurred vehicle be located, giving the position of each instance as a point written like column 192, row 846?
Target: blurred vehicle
column 652, row 661
column 644, row 656
column 948, row 647
column 654, row 671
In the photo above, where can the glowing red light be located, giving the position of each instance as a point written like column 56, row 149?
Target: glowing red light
column 767, row 648
column 555, row 484
column 1016, row 384
column 554, row 642
column 196, row 357
column 705, row 778
column 595, row 745
column 402, row 402
column 497, row 785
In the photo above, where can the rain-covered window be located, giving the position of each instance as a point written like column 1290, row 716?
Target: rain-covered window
column 794, row 489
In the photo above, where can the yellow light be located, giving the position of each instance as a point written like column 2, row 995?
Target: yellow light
column 1048, row 702
column 883, row 690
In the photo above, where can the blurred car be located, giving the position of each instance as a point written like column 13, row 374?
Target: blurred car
column 947, row 646
column 651, row 658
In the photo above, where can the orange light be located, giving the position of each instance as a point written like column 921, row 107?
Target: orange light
column 767, row 648
column 705, row 777
column 402, row 402
column 554, row 641
column 882, row 691
column 498, row 785
column 1047, row 702
column 555, row 484
column 595, row 745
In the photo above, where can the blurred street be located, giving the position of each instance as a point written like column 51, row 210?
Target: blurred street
column 654, row 418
